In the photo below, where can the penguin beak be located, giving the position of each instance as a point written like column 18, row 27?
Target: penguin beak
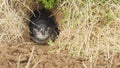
column 42, row 30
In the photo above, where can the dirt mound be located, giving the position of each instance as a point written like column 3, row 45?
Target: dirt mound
column 21, row 56
column 31, row 55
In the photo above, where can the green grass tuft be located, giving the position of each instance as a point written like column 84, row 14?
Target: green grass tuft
column 49, row 4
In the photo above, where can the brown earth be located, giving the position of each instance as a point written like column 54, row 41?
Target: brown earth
column 18, row 56
column 39, row 56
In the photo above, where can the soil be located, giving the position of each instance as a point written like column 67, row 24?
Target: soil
column 32, row 55
column 18, row 56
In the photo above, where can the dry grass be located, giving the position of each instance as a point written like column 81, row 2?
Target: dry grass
column 11, row 22
column 13, row 17
column 90, row 29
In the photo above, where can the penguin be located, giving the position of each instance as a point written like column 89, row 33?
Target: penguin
column 42, row 28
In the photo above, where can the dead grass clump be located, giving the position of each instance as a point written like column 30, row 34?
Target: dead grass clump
column 90, row 28
column 13, row 15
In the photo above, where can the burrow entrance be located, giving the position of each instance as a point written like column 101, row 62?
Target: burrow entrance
column 55, row 14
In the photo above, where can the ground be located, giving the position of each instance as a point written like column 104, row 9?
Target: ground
column 37, row 56
column 18, row 56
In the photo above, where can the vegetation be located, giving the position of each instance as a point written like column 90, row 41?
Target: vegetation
column 49, row 4
column 91, row 28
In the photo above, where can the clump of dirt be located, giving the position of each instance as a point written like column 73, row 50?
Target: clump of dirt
column 37, row 56
column 18, row 56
